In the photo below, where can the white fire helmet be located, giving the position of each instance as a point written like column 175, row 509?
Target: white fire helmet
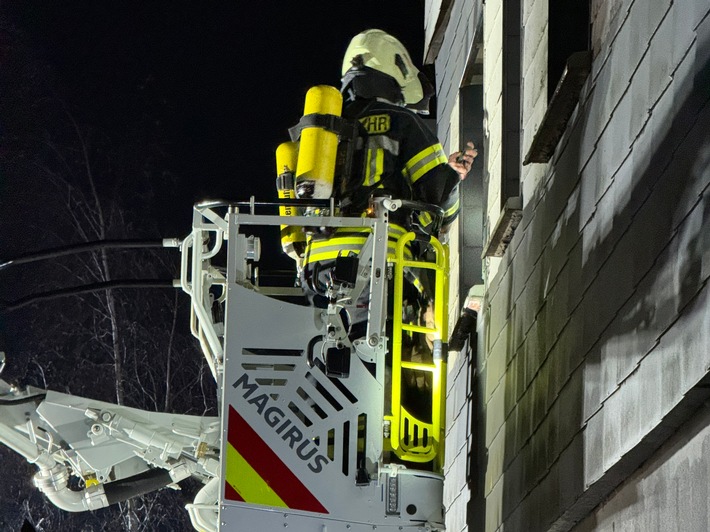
column 383, row 52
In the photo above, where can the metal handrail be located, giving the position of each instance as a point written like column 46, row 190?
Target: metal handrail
column 195, row 282
column 411, row 438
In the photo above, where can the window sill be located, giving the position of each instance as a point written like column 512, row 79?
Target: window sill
column 560, row 109
column 508, row 221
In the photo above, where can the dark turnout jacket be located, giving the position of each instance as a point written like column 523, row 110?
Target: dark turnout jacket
column 400, row 158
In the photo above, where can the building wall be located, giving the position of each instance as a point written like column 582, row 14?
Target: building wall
column 456, row 43
column 598, row 315
column 670, row 492
column 596, row 321
column 493, row 114
column 450, row 65
column 432, row 12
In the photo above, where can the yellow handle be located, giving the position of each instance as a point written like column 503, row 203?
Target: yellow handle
column 411, row 438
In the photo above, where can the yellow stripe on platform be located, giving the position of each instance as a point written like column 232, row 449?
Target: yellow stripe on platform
column 250, row 486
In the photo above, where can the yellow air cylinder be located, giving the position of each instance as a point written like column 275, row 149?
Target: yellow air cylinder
column 293, row 239
column 318, row 147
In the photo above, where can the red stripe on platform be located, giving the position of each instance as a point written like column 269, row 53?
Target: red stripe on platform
column 231, row 494
column 269, row 466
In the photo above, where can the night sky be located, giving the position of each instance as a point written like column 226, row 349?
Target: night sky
column 221, row 82
column 175, row 102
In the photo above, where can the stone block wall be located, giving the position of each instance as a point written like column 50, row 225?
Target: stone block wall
column 597, row 320
column 450, row 63
column 598, row 316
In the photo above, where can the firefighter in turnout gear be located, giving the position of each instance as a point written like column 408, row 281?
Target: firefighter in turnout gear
column 400, row 156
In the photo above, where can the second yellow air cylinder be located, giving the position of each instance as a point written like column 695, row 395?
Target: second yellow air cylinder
column 318, row 147
column 293, row 239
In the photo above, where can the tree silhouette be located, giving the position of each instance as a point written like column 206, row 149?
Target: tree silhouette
column 66, row 181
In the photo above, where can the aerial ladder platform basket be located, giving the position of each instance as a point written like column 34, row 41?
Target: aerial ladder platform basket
column 324, row 424
column 316, row 435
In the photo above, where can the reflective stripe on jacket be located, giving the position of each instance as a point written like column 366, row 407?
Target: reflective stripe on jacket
column 348, row 241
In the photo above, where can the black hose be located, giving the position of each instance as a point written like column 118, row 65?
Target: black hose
column 127, row 488
column 80, row 248
column 84, row 289
column 22, row 400
column 309, row 350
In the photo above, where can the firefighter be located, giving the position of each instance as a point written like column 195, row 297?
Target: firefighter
column 401, row 157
